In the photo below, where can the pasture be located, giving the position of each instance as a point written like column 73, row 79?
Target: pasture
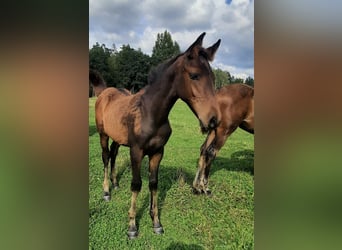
column 223, row 221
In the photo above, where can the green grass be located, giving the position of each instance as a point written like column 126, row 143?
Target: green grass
column 223, row 221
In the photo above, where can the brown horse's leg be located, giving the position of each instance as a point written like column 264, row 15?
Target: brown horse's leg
column 105, row 158
column 136, row 158
column 114, row 147
column 248, row 125
column 208, row 154
column 221, row 138
column 196, row 187
column 153, row 185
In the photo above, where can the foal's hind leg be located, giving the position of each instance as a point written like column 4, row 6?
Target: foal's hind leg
column 114, row 147
column 105, row 158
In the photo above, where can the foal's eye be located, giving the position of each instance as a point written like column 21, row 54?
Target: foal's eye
column 194, row 76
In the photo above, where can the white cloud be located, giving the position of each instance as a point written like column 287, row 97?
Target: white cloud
column 138, row 22
column 235, row 71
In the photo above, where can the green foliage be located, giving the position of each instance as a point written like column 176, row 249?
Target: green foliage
column 249, row 81
column 164, row 48
column 223, row 221
column 221, row 78
column 98, row 59
column 130, row 68
column 236, row 80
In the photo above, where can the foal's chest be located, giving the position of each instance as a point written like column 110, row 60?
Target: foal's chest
column 159, row 138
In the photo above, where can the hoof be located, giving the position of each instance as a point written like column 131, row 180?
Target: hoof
column 196, row 191
column 200, row 191
column 106, row 196
column 208, row 192
column 132, row 234
column 158, row 230
column 115, row 187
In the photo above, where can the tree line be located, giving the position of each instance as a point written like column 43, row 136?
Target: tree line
column 129, row 68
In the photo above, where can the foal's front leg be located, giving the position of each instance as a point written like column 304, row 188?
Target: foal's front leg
column 153, row 185
column 200, row 182
column 215, row 140
column 136, row 158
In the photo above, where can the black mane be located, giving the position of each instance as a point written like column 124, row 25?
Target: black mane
column 157, row 71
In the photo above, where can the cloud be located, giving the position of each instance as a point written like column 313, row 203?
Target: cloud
column 177, row 16
column 138, row 22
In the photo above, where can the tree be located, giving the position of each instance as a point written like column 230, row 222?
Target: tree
column 98, row 60
column 164, row 48
column 221, row 77
column 98, row 56
column 129, row 68
column 236, row 80
column 249, row 81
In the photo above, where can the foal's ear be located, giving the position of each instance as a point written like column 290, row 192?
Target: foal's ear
column 212, row 50
column 198, row 41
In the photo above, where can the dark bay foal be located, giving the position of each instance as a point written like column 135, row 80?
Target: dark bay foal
column 140, row 121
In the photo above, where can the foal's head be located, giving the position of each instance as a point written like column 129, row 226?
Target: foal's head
column 195, row 83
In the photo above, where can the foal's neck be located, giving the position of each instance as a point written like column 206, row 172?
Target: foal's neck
column 160, row 98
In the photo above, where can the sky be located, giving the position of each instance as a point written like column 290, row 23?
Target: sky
column 137, row 23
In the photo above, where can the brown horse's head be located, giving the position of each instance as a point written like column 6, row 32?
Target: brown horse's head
column 195, row 84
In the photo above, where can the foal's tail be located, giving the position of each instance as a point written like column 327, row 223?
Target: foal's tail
column 97, row 81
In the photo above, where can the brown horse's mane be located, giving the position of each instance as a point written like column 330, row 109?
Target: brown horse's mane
column 157, row 71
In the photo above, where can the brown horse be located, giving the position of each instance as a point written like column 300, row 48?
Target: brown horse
column 140, row 121
column 236, row 102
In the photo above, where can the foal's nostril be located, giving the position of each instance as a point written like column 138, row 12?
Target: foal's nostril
column 213, row 122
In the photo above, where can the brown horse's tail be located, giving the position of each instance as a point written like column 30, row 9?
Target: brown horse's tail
column 97, row 81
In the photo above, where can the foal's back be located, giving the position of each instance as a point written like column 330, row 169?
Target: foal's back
column 112, row 107
column 236, row 103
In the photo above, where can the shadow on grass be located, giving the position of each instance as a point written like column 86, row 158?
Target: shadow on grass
column 170, row 175
column 182, row 246
column 239, row 161
column 92, row 130
column 167, row 177
column 120, row 170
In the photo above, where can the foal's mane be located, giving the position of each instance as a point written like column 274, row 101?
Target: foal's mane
column 158, row 71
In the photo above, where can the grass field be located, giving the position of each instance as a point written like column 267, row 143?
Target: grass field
column 223, row 221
